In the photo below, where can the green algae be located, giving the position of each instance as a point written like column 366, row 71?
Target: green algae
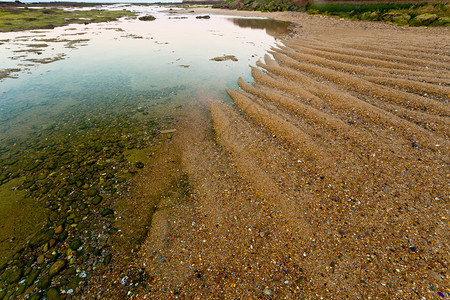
column 20, row 216
column 23, row 18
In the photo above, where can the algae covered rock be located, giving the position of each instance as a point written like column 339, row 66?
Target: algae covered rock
column 442, row 21
column 53, row 294
column 370, row 16
column 397, row 18
column 423, row 20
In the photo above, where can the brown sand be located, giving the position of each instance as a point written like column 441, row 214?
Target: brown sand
column 328, row 178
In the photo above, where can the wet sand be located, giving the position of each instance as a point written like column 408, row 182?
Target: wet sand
column 325, row 178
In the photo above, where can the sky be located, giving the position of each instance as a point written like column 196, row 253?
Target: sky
column 103, row 1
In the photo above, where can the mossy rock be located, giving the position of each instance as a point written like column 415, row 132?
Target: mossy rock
column 41, row 238
column 397, row 18
column 370, row 16
column 44, row 282
column 423, row 20
column 442, row 21
column 57, row 267
column 36, row 296
column 32, row 276
column 106, row 212
column 75, row 244
column 107, row 259
column 52, row 294
column 73, row 284
column 97, row 199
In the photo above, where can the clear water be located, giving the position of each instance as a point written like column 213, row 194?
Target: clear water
column 130, row 57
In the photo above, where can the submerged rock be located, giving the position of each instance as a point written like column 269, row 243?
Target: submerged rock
column 53, row 294
column 57, row 267
column 224, row 58
column 41, row 238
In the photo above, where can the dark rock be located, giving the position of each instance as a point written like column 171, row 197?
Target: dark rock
column 413, row 249
column 147, row 18
column 106, row 212
column 97, row 199
column 203, row 17
column 139, row 165
column 62, row 236
column 92, row 192
column 107, row 259
column 414, row 145
column 113, row 230
column 70, row 271
column 44, row 282
column 75, row 244
column 53, row 294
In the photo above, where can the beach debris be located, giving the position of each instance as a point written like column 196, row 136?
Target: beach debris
column 168, row 131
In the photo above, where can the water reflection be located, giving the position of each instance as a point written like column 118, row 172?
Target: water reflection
column 272, row 27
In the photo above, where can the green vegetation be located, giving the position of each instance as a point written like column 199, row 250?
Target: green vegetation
column 17, row 18
column 262, row 5
column 400, row 14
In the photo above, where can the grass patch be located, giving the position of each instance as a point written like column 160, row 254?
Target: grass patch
column 402, row 14
column 18, row 18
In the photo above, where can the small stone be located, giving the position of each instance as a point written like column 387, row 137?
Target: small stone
column 59, row 229
column 40, row 259
column 267, row 292
column 97, row 199
column 413, row 249
column 139, row 165
column 414, row 145
column 107, row 259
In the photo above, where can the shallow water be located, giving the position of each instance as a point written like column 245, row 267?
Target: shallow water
column 80, row 90
column 172, row 51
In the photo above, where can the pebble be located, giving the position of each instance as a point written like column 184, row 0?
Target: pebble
column 267, row 292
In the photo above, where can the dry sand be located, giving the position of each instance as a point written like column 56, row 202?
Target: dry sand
column 328, row 178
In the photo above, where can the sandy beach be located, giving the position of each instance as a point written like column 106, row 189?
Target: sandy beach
column 325, row 178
